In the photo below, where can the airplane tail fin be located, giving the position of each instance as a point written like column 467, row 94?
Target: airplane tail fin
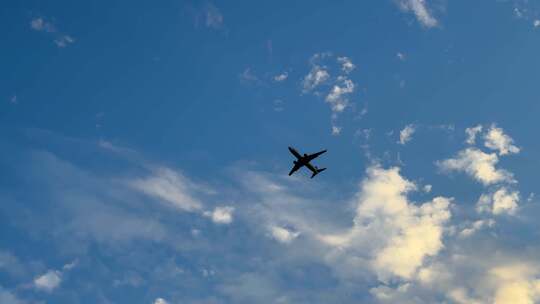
column 317, row 172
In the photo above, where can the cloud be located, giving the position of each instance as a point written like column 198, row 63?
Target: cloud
column 169, row 186
column 7, row 297
column 499, row 202
column 536, row 23
column 160, row 301
column 283, row 235
column 515, row 283
column 281, row 77
column 213, row 17
column 471, row 134
column 396, row 234
column 317, row 76
column 221, row 215
column 346, row 64
column 64, row 41
column 400, row 56
column 496, row 139
column 406, row 134
column 479, row 165
column 338, row 96
column 336, row 130
column 41, row 25
column 420, row 10
column 475, row 227
column 48, row 281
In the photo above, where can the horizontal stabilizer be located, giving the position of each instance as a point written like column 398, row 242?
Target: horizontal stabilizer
column 317, row 172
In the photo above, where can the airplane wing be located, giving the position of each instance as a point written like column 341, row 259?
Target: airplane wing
column 295, row 153
column 315, row 155
column 295, row 168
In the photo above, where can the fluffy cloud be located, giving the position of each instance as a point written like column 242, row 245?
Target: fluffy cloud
column 420, row 10
column 346, row 64
column 406, row 134
column 397, row 234
column 160, row 301
column 281, row 77
column 338, row 95
column 171, row 187
column 496, row 139
column 317, row 76
column 221, row 215
column 479, row 165
column 499, row 202
column 515, row 283
column 476, row 226
column 48, row 281
column 283, row 235
column 471, row 134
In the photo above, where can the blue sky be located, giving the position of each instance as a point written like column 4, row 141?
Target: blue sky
column 144, row 153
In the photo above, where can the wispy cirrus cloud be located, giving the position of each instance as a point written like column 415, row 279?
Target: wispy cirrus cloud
column 41, row 24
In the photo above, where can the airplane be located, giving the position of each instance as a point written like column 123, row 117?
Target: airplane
column 303, row 160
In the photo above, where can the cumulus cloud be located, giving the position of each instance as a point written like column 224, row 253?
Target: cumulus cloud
column 397, row 234
column 221, row 215
column 406, row 134
column 283, row 235
column 515, row 283
column 160, row 301
column 338, row 96
column 171, row 187
column 336, row 130
column 500, row 202
column 536, row 23
column 48, row 281
column 346, row 64
column 420, row 10
column 317, row 76
column 475, row 227
column 281, row 77
column 471, row 134
column 496, row 139
column 479, row 165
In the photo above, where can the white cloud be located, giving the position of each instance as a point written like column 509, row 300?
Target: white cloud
column 338, row 96
column 496, row 139
column 160, row 301
column 213, row 17
column 281, row 77
column 336, row 130
column 499, row 202
column 515, row 283
column 63, row 41
column 427, row 188
column 400, row 56
column 40, row 24
column 406, row 134
column 317, row 76
column 396, row 234
column 479, row 165
column 536, row 23
column 346, row 64
column 283, row 235
column 221, row 215
column 476, row 226
column 171, row 187
column 420, row 10
column 471, row 134
column 48, row 281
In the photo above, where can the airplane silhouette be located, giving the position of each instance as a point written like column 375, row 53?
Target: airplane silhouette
column 303, row 160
